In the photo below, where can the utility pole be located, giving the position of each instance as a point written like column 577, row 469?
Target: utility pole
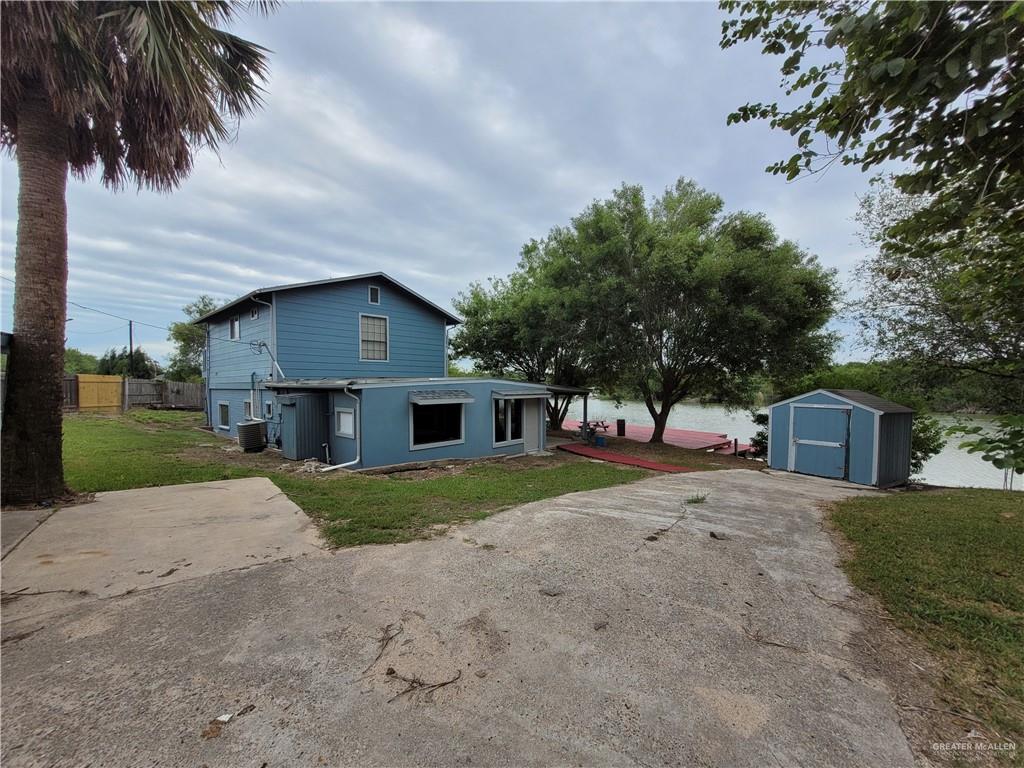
column 131, row 350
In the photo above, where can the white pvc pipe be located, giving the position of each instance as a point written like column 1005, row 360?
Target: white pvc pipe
column 359, row 436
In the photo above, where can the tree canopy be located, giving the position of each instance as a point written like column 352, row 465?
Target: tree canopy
column 682, row 300
column 527, row 325
column 935, row 87
column 922, row 309
column 186, row 361
column 76, row 361
column 118, row 362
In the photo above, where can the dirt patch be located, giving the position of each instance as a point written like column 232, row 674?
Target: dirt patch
column 910, row 670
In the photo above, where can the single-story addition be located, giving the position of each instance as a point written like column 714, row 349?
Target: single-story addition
column 353, row 371
column 842, row 433
column 378, row 422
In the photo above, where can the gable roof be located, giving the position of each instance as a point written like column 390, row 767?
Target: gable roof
column 450, row 319
column 854, row 397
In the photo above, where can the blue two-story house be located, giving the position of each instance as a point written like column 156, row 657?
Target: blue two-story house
column 353, row 371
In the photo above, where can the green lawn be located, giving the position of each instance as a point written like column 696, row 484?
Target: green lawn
column 949, row 566
column 148, row 448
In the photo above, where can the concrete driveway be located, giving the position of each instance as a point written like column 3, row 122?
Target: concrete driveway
column 599, row 628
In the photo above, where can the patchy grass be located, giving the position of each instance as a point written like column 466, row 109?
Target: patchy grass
column 948, row 565
column 150, row 448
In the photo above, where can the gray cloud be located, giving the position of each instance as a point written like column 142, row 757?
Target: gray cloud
column 431, row 141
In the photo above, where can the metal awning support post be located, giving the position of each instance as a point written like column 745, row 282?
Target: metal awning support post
column 583, row 426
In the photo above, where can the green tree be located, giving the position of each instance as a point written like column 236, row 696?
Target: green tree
column 133, row 88
column 935, row 87
column 76, row 361
column 527, row 326
column 117, row 362
column 680, row 300
column 186, row 361
column 922, row 308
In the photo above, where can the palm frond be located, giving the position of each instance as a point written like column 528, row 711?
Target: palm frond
column 141, row 85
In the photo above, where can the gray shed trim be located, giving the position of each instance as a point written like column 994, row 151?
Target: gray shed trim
column 439, row 396
column 831, row 393
column 450, row 319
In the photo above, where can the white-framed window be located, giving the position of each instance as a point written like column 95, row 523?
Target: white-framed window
column 234, row 328
column 247, row 410
column 373, row 338
column 374, row 294
column 436, row 425
column 223, row 414
column 508, row 421
column 345, row 422
column 254, row 313
column 268, row 409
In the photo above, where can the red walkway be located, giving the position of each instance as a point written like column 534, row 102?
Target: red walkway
column 683, row 438
column 620, row 458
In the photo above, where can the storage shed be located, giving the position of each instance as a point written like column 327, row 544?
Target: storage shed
column 842, row 433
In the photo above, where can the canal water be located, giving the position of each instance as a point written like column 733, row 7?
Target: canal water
column 951, row 466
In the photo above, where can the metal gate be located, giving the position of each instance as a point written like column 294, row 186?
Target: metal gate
column 819, row 440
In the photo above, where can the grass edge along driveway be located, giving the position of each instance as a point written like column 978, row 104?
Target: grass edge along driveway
column 152, row 448
column 946, row 564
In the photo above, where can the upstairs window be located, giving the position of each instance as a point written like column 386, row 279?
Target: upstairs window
column 373, row 337
column 234, row 328
column 254, row 313
column 374, row 294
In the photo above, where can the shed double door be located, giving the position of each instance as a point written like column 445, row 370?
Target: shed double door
column 820, row 442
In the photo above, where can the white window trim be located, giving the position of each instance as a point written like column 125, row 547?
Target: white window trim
column 387, row 332
column 247, row 410
column 338, row 432
column 369, row 295
column 228, row 425
column 424, row 446
column 234, row 323
column 495, row 443
column 268, row 413
column 254, row 313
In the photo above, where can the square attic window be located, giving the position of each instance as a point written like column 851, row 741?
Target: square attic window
column 374, row 297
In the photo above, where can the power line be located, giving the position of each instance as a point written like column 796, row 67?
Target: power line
column 141, row 322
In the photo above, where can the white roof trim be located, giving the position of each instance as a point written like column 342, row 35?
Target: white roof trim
column 827, row 393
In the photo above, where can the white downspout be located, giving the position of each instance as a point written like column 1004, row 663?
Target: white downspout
column 359, row 435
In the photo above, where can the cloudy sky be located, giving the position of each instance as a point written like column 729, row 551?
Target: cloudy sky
column 430, row 141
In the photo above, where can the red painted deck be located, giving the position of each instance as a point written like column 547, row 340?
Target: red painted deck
column 682, row 438
column 620, row 458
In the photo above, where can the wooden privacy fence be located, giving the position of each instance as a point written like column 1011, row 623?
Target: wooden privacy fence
column 165, row 394
column 98, row 393
column 94, row 393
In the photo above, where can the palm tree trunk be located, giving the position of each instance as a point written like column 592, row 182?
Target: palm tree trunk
column 32, row 465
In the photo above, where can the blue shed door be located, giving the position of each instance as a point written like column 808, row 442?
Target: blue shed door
column 820, row 441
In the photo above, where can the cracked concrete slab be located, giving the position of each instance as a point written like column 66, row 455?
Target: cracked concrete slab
column 598, row 628
column 126, row 541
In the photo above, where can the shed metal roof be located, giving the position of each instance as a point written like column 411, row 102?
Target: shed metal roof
column 450, row 319
column 871, row 401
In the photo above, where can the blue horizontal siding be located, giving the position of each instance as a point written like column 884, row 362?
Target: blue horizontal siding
column 232, row 363
column 318, row 332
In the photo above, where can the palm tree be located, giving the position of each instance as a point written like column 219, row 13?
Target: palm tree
column 135, row 88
